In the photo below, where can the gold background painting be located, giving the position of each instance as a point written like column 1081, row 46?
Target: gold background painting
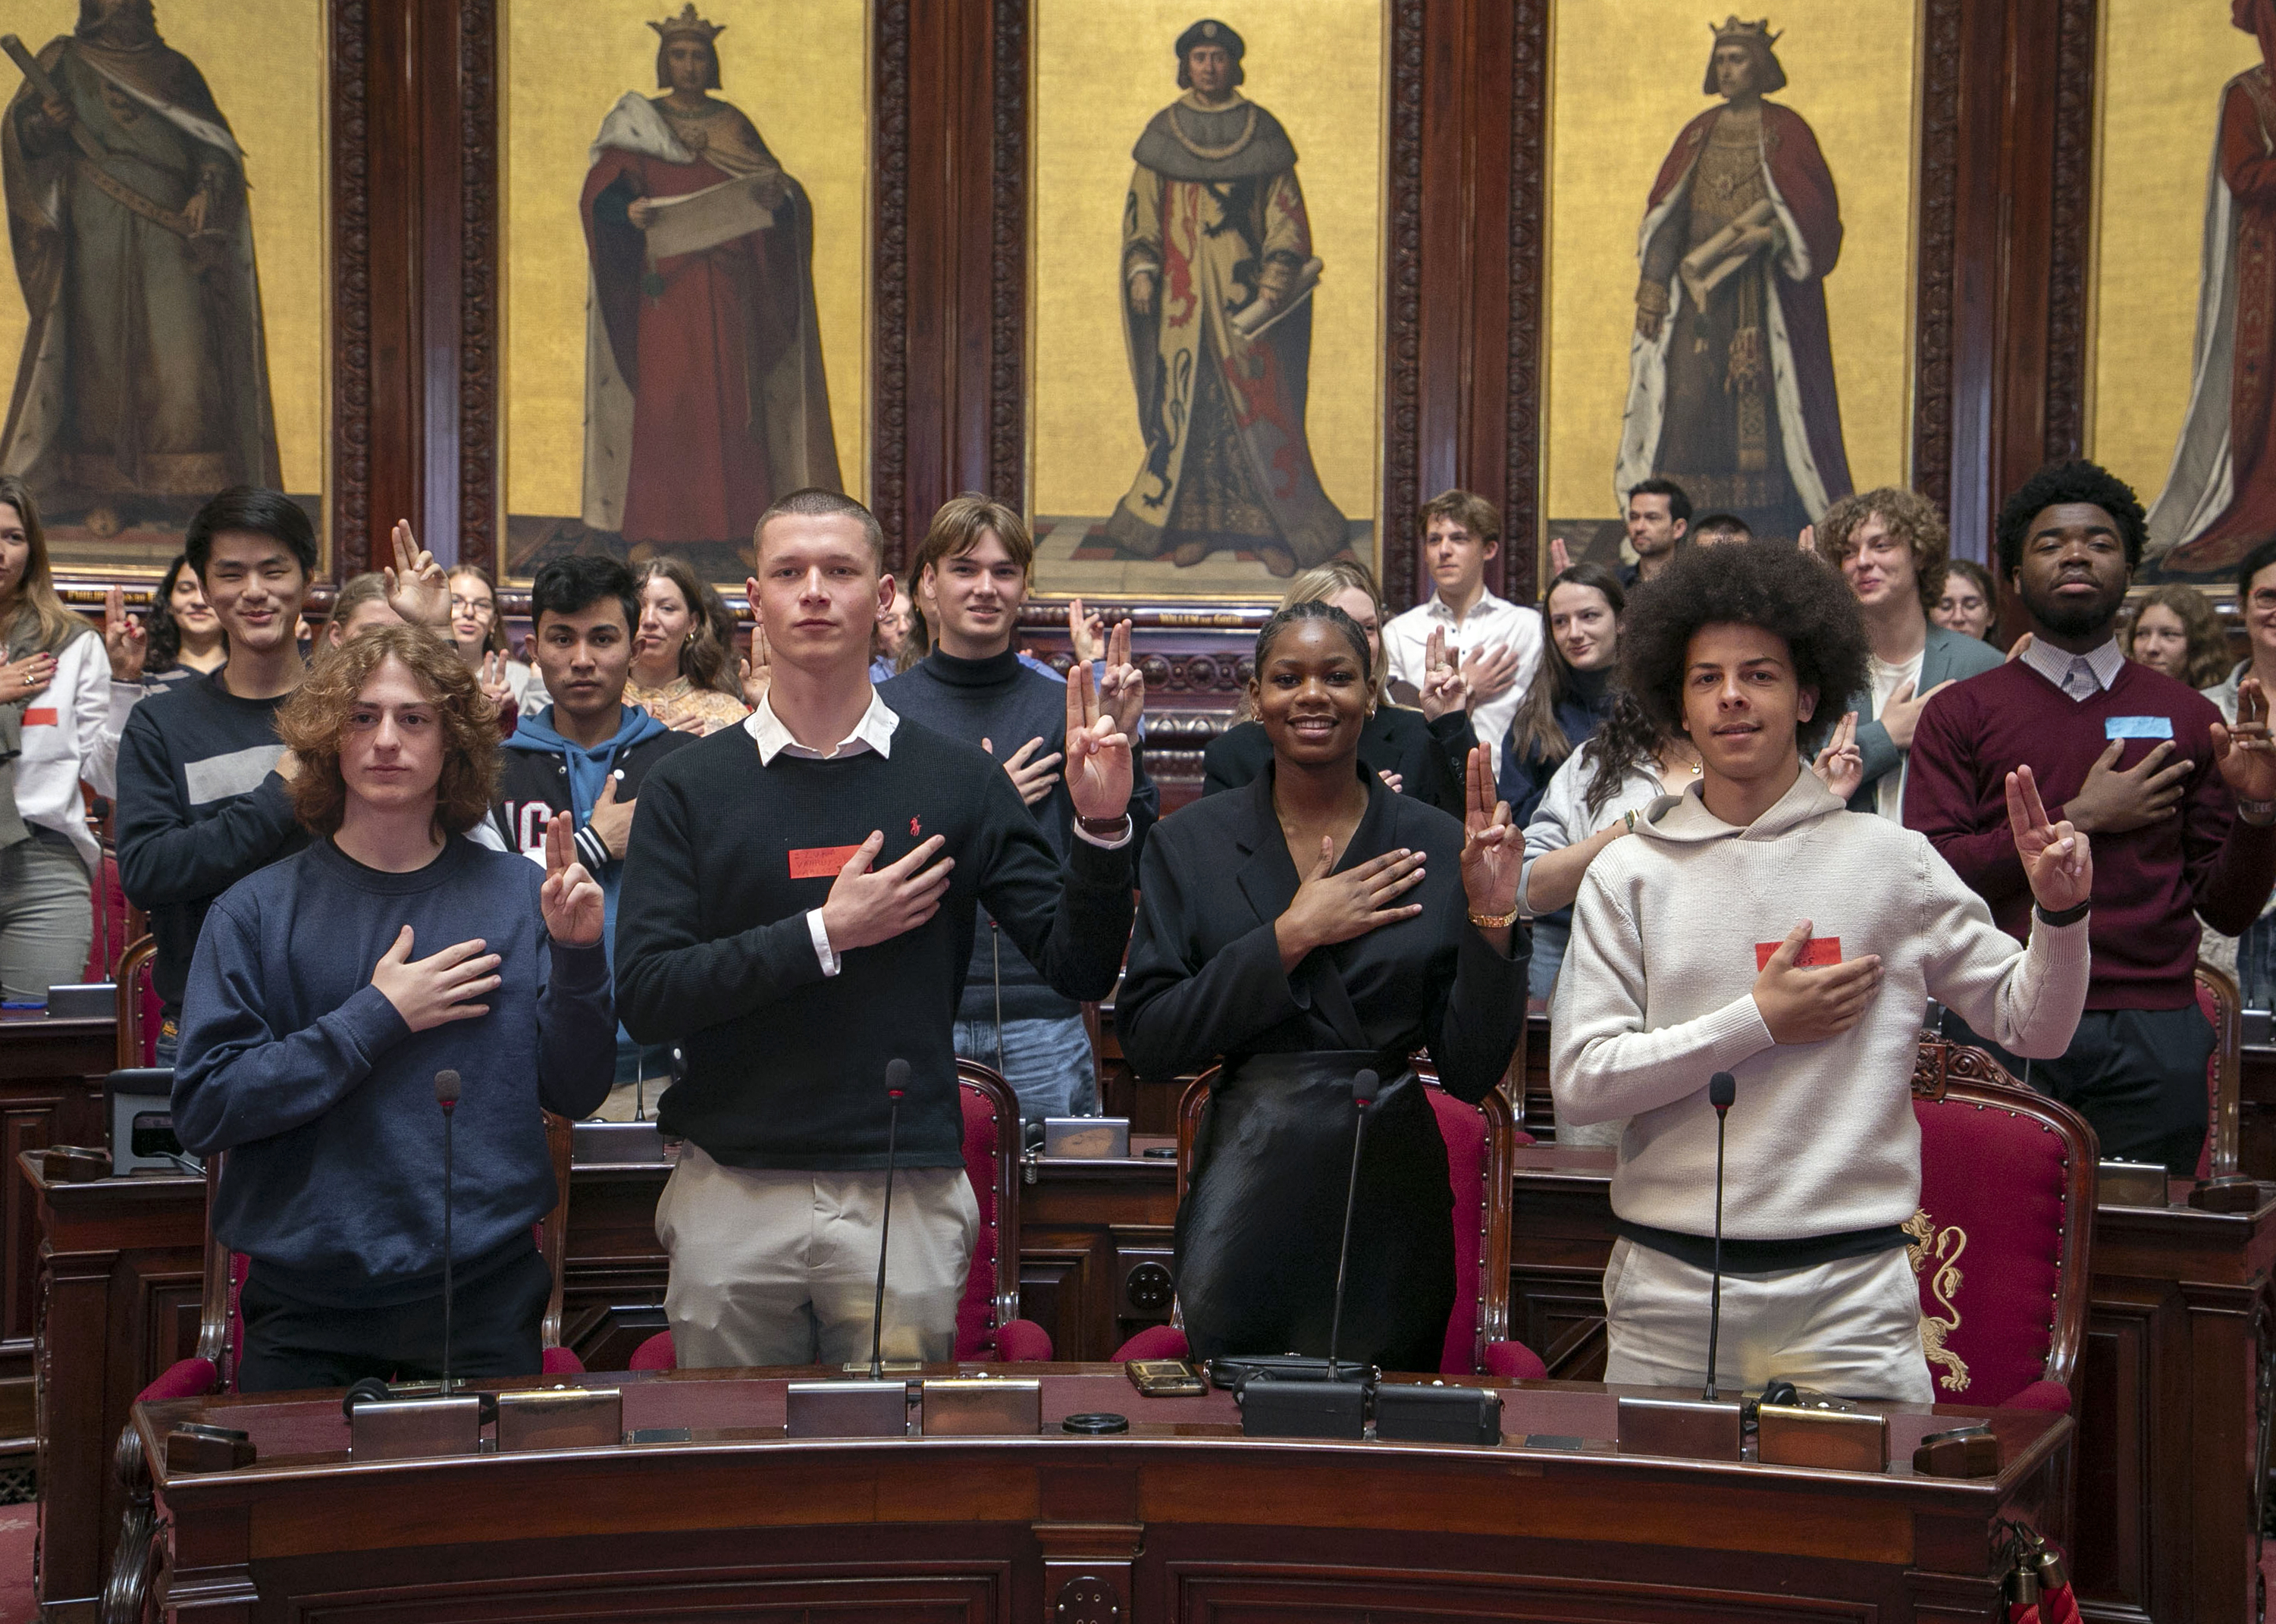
column 800, row 74
column 2160, row 93
column 1102, row 68
column 265, row 61
column 1625, row 80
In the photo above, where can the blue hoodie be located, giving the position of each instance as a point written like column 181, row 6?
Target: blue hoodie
column 589, row 774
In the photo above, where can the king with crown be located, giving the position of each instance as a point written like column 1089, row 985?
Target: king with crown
column 1731, row 391
column 704, row 395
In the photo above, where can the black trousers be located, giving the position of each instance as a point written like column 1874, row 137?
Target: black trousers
column 498, row 1309
column 2138, row 1075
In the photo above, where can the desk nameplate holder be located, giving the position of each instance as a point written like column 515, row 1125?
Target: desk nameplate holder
column 414, row 1429
column 982, row 1406
column 846, row 1409
column 2131, row 1184
column 560, row 1418
column 1843, row 1440
column 1684, row 1428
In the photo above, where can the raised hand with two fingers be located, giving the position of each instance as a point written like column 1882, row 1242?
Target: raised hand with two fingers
column 2247, row 758
column 1098, row 770
column 569, row 900
column 2057, row 858
column 1493, row 846
column 1122, row 685
column 1444, row 687
column 124, row 640
column 417, row 590
column 1840, row 766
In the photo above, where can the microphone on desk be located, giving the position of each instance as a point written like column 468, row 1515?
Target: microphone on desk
column 897, row 1083
column 1363, row 1087
column 446, row 1095
column 1722, row 1089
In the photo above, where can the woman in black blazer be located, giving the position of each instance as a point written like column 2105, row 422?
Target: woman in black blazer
column 1425, row 751
column 1398, row 934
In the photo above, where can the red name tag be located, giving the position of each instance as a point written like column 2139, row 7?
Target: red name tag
column 1817, row 950
column 44, row 716
column 820, row 863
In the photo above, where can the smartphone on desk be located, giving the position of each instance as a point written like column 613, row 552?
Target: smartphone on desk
column 1165, row 1378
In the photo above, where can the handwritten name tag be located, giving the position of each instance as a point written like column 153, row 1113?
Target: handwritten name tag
column 1817, row 950
column 2137, row 727
column 820, row 863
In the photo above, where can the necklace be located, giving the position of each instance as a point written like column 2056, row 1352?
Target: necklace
column 1248, row 129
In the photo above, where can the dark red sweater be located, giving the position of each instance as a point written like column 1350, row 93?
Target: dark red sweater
column 2149, row 883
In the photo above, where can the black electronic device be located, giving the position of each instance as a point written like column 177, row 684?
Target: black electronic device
column 137, row 1106
column 1432, row 1414
column 1305, row 1407
column 1165, row 1378
column 1722, row 1089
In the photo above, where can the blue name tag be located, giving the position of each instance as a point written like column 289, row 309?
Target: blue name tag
column 2137, row 727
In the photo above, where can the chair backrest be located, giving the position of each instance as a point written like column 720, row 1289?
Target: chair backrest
column 553, row 1228
column 991, row 1161
column 220, row 1322
column 2224, row 1008
column 2001, row 1241
column 1481, row 1154
column 137, row 1003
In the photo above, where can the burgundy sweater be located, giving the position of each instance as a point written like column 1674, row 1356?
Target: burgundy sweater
column 2149, row 883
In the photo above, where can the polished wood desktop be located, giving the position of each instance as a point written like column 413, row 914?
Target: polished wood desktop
column 1183, row 1518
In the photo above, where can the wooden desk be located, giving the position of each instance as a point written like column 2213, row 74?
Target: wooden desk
column 2165, row 1392
column 51, row 1075
column 2256, row 1112
column 1095, row 1248
column 1181, row 1518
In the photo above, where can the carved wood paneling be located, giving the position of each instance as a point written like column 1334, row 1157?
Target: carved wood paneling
column 479, row 316
column 2070, row 245
column 1007, row 327
column 1937, row 225
column 889, row 415
column 352, row 291
column 1529, row 158
column 1402, row 292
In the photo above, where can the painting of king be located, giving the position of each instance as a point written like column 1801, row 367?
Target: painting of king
column 1731, row 390
column 1217, row 279
column 704, row 392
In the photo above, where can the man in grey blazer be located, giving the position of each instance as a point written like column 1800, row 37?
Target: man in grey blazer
column 1891, row 546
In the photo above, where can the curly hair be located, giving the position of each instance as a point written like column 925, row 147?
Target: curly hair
column 2078, row 481
column 312, row 721
column 2208, row 659
column 1626, row 739
column 1909, row 517
column 1776, row 588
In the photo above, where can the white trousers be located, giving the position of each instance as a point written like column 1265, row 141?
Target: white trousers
column 1850, row 1328
column 781, row 1268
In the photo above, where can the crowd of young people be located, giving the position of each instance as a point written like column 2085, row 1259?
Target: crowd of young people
column 758, row 880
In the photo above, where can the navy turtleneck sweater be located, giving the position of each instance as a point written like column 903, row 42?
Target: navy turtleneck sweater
column 1525, row 773
column 1008, row 703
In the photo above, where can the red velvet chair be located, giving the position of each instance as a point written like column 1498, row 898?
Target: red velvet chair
column 213, row 1367
column 2224, row 1008
column 987, row 1325
column 1479, row 1141
column 2001, row 1241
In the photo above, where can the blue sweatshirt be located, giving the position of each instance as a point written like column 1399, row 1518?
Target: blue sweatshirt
column 298, row 1067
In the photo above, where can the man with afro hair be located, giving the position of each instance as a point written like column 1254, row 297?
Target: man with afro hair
column 1755, row 926
column 2179, row 805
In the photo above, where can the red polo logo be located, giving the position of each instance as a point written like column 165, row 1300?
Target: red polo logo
column 914, row 829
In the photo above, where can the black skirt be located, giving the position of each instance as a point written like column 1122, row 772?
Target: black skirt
column 1262, row 1219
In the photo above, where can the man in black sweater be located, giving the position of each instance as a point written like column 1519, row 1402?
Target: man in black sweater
column 797, row 913
column 971, row 575
column 201, row 802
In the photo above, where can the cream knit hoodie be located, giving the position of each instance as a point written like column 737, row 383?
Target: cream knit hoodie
column 1657, row 996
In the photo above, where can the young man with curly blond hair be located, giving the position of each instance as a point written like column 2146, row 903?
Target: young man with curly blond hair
column 1891, row 547
column 329, row 988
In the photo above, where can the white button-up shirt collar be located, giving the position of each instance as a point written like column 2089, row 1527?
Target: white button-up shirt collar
column 2081, row 676
column 873, row 731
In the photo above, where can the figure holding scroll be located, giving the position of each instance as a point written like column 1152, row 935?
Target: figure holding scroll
column 704, row 395
column 1731, row 388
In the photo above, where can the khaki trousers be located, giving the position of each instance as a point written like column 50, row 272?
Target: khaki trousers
column 781, row 1268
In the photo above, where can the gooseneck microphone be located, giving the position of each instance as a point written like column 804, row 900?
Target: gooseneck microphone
column 897, row 1083
column 1363, row 1087
column 1722, row 1089
column 446, row 1095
